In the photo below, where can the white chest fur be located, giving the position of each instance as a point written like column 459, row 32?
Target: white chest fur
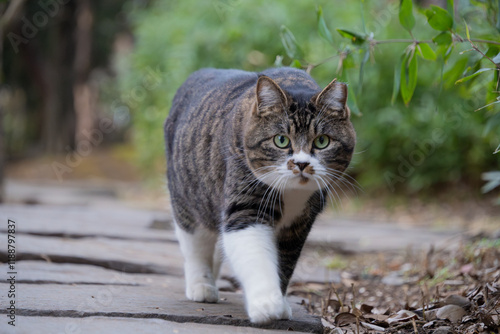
column 294, row 202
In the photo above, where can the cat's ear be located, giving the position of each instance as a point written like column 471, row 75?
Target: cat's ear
column 270, row 97
column 334, row 99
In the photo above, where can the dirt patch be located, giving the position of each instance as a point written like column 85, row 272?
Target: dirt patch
column 435, row 292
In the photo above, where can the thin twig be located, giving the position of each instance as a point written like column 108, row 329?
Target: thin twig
column 484, row 55
column 484, row 41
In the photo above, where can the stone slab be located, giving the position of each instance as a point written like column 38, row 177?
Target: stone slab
column 30, row 325
column 123, row 255
column 149, row 302
column 354, row 236
column 42, row 272
column 82, row 221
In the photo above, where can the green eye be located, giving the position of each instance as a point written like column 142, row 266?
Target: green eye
column 321, row 142
column 282, row 141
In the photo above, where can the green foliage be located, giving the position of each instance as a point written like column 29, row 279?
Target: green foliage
column 409, row 69
column 322, row 28
column 429, row 135
column 406, row 14
column 439, row 18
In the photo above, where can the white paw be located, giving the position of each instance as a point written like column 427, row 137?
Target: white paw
column 262, row 310
column 203, row 293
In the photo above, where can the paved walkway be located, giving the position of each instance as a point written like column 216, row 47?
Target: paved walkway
column 85, row 263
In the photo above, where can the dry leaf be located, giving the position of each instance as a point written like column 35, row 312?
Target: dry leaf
column 457, row 300
column 402, row 316
column 344, row 319
column 453, row 313
column 374, row 327
column 345, row 309
column 366, row 308
column 334, row 304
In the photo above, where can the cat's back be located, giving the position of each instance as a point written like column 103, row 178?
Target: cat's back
column 205, row 98
column 211, row 85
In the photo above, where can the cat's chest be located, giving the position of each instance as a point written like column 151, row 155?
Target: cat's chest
column 294, row 204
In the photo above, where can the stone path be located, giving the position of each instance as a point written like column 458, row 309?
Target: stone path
column 85, row 268
column 82, row 270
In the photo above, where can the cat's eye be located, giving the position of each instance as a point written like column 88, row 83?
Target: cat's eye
column 321, row 142
column 282, row 141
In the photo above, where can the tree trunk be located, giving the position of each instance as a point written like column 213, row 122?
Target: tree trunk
column 9, row 14
column 83, row 94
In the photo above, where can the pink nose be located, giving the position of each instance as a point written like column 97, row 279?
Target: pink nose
column 302, row 165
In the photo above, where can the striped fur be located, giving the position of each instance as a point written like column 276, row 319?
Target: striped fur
column 225, row 172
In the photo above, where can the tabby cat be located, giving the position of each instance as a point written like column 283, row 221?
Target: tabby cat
column 251, row 159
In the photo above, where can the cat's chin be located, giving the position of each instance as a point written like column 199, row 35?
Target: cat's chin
column 301, row 182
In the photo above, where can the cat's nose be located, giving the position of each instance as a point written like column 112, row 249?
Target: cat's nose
column 302, row 165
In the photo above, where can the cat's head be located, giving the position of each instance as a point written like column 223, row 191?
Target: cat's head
column 299, row 139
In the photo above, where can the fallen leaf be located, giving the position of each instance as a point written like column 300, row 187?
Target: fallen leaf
column 345, row 309
column 466, row 268
column 327, row 324
column 457, row 300
column 334, row 304
column 452, row 313
column 402, row 316
column 357, row 312
column 378, row 317
column 344, row 319
column 374, row 327
column 442, row 330
column 366, row 308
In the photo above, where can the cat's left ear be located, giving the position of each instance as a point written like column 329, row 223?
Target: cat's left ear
column 334, row 99
column 270, row 97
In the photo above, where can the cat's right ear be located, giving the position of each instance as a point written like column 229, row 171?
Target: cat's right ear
column 270, row 97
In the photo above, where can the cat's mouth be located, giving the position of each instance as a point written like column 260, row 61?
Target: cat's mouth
column 303, row 179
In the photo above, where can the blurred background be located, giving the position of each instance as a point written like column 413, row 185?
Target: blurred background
column 86, row 86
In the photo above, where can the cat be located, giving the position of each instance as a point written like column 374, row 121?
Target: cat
column 251, row 159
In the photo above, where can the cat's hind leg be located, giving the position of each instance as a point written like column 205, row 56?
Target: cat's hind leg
column 198, row 251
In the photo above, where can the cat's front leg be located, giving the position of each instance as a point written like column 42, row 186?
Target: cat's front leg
column 251, row 251
column 198, row 251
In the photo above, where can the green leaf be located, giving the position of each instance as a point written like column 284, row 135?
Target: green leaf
column 439, row 18
column 496, row 59
column 361, row 70
column 409, row 68
column 322, row 28
column 292, row 48
column 352, row 102
column 497, row 150
column 356, row 38
column 498, row 15
column 493, row 179
column 406, row 14
column 489, row 123
column 296, row 64
column 467, row 30
column 455, row 72
column 473, row 75
column 426, row 51
column 443, row 38
column 397, row 79
column 278, row 62
column 450, row 8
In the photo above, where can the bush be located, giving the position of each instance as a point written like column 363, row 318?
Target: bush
column 435, row 139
